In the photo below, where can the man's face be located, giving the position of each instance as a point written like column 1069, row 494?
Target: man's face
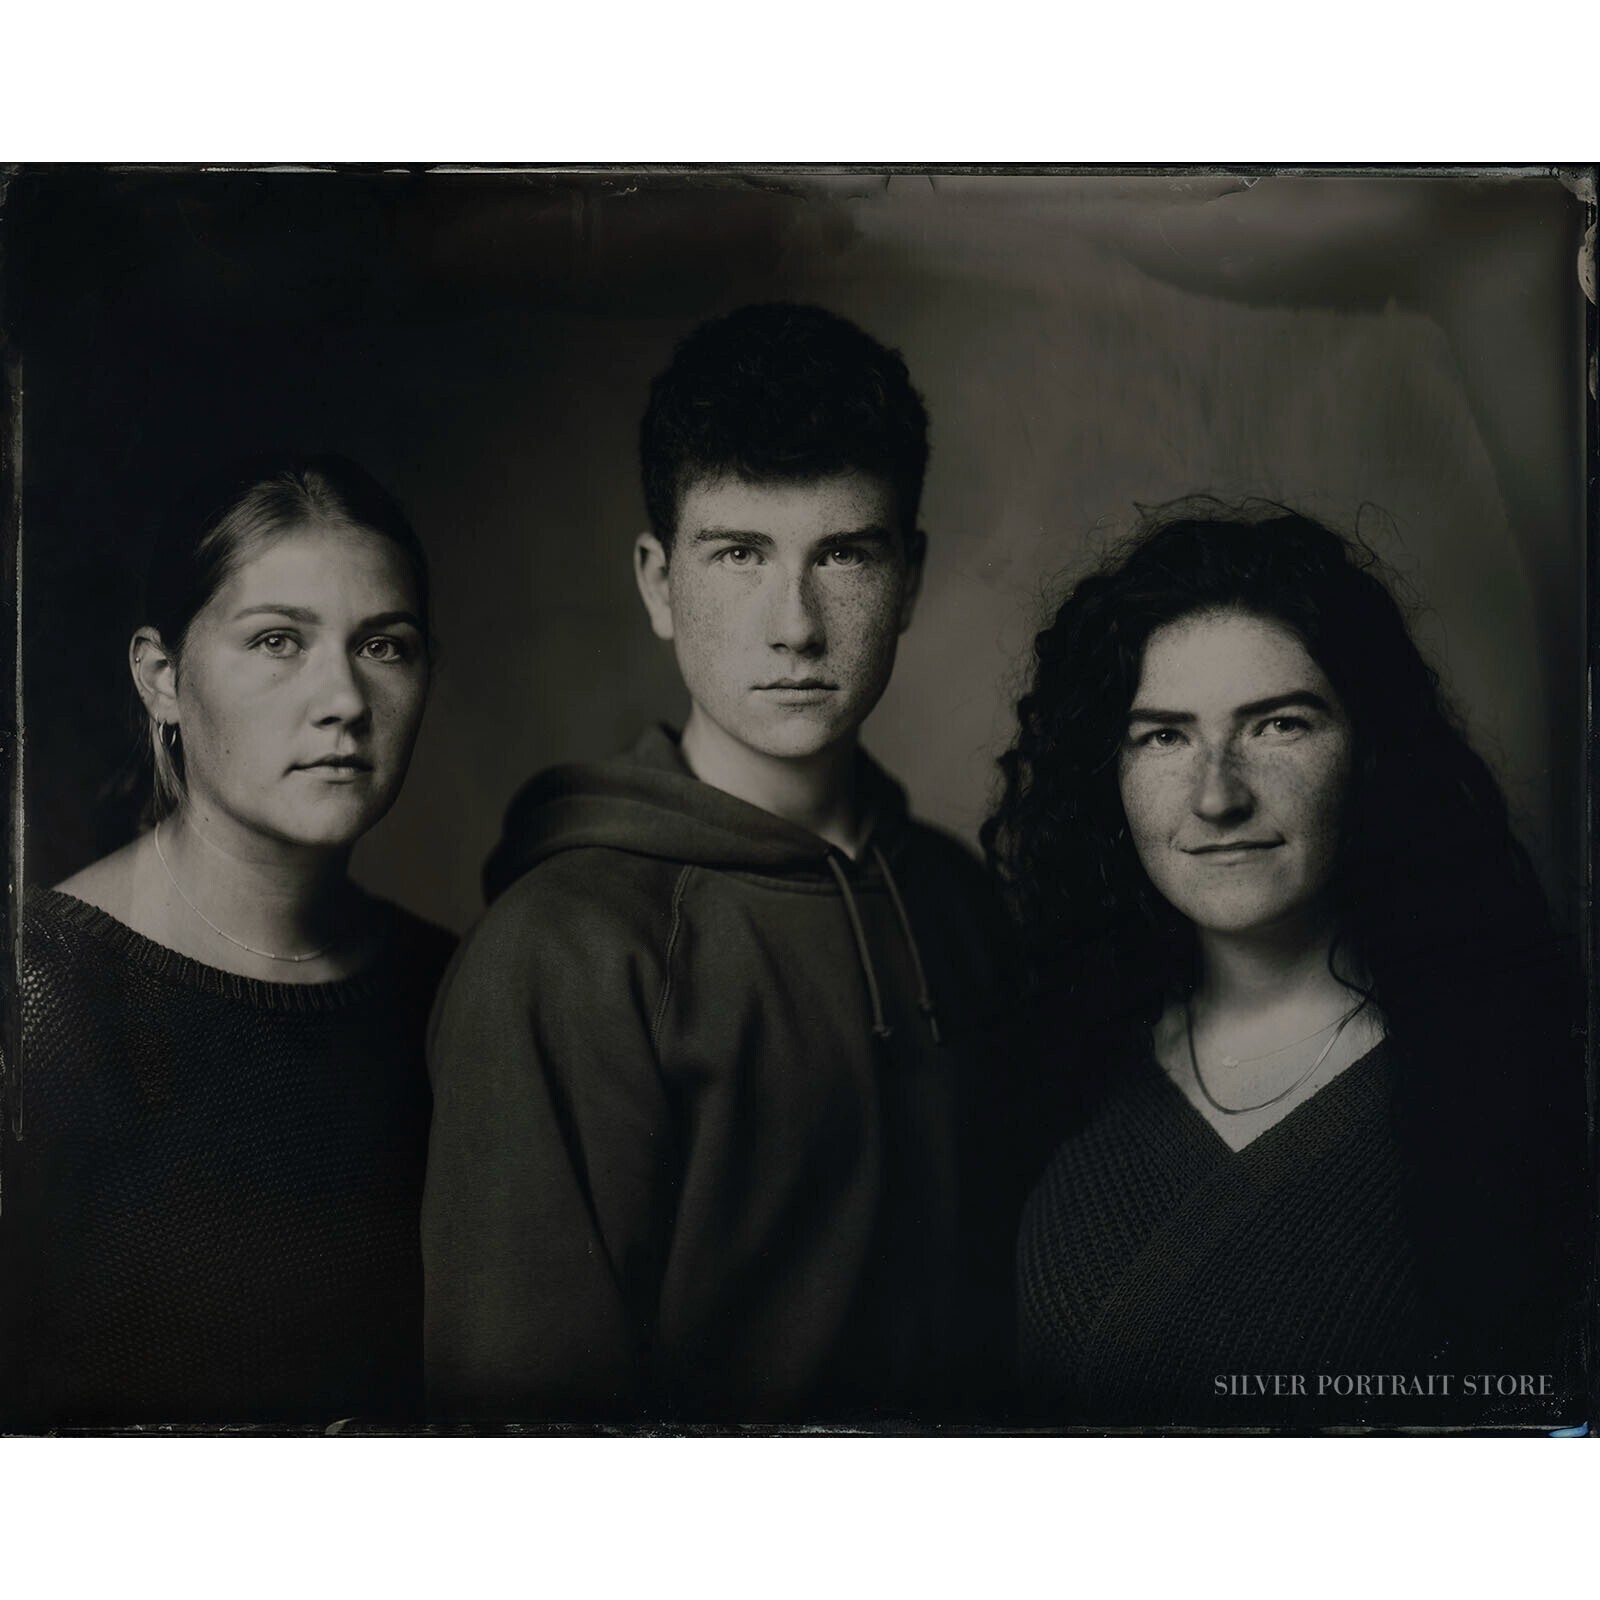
column 784, row 603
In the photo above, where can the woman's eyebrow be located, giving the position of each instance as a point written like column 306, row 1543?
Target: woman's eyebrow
column 1279, row 702
column 303, row 614
column 1255, row 708
column 391, row 619
column 274, row 609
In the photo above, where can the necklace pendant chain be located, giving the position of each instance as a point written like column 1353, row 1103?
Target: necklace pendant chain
column 1231, row 1061
column 222, row 933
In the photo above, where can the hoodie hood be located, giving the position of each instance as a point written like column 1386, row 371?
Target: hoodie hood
column 647, row 802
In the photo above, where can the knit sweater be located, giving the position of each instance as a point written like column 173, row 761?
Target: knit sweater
column 1166, row 1280
column 211, row 1215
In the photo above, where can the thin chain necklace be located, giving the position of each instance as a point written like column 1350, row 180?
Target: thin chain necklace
column 1278, row 1050
column 271, row 955
column 1283, row 1094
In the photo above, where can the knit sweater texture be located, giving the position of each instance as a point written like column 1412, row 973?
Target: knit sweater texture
column 702, row 1084
column 1165, row 1280
column 211, row 1213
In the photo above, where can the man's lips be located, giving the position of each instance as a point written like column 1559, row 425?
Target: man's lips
column 793, row 684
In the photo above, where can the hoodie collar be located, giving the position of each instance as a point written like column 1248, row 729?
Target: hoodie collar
column 647, row 802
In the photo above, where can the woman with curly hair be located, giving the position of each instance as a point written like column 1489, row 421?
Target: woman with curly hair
column 1308, row 1020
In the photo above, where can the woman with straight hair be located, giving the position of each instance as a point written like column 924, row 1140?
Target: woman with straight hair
column 1310, row 1038
column 215, row 1164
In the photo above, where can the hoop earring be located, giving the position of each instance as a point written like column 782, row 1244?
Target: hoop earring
column 168, row 736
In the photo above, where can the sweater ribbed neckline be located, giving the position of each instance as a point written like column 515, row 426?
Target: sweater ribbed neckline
column 1351, row 1093
column 65, row 911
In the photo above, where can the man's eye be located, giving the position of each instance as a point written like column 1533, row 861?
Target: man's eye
column 1283, row 727
column 737, row 555
column 1159, row 739
column 386, row 650
column 846, row 556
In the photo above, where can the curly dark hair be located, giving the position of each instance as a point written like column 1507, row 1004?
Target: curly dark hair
column 780, row 393
column 1436, row 903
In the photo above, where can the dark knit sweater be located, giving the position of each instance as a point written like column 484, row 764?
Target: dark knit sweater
column 1155, row 1264
column 211, row 1215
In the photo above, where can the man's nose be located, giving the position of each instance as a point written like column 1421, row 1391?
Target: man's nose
column 795, row 620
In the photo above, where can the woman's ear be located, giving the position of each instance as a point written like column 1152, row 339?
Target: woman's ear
column 155, row 675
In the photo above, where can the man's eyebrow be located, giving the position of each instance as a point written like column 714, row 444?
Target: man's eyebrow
column 758, row 541
column 1255, row 708
column 872, row 534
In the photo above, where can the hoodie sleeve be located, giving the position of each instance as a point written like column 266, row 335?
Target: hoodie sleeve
column 551, row 1171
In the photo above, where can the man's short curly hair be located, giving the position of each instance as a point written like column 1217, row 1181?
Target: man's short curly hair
column 780, row 394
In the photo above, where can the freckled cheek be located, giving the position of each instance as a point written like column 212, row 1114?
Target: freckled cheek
column 1154, row 801
column 703, row 623
column 1326, row 808
column 864, row 626
column 1308, row 794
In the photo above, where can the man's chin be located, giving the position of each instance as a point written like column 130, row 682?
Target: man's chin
column 800, row 742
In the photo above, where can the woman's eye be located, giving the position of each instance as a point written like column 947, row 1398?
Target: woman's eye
column 276, row 644
column 1284, row 727
column 388, row 650
column 1160, row 739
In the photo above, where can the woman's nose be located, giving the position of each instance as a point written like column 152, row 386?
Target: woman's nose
column 1221, row 791
column 339, row 695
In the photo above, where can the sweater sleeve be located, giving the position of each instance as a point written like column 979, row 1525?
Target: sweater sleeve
column 551, row 1171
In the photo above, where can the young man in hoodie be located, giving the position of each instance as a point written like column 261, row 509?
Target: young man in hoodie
column 703, row 1072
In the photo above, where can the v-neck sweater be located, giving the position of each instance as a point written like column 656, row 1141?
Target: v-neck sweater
column 211, row 1214
column 1166, row 1279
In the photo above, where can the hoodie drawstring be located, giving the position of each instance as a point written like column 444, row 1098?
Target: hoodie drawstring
column 924, row 998
column 880, row 1026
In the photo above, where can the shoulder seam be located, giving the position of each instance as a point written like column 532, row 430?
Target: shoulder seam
column 666, row 961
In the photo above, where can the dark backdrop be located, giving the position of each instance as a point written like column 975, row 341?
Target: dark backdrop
column 1403, row 354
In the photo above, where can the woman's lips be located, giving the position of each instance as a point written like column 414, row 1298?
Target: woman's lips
column 1244, row 850
column 337, row 769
